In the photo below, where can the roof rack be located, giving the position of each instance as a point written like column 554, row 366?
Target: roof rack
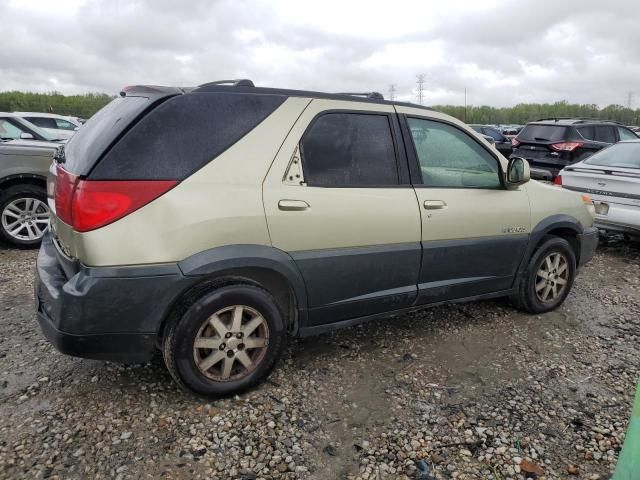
column 372, row 95
column 240, row 82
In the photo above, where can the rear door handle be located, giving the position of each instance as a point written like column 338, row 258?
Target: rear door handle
column 434, row 204
column 293, row 205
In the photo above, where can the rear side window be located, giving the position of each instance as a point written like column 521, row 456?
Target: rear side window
column 542, row 133
column 182, row 135
column 605, row 134
column 349, row 149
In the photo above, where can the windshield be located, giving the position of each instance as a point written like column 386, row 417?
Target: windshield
column 623, row 155
column 542, row 133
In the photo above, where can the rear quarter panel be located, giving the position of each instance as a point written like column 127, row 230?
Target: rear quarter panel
column 220, row 204
column 20, row 160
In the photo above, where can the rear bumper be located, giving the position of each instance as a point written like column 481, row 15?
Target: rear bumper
column 620, row 218
column 103, row 313
column 588, row 244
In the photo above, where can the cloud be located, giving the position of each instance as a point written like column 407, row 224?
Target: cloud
column 501, row 51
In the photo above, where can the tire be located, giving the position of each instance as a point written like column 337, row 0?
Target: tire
column 29, row 199
column 540, row 292
column 212, row 321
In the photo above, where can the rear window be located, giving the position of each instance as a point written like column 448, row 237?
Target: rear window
column 623, row 155
column 542, row 133
column 90, row 142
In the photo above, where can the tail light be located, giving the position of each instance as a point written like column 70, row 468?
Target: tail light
column 515, row 142
column 558, row 180
column 90, row 204
column 566, row 146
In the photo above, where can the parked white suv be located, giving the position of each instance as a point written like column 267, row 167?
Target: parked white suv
column 218, row 221
column 59, row 126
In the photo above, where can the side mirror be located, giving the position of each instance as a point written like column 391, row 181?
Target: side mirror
column 518, row 172
column 26, row 136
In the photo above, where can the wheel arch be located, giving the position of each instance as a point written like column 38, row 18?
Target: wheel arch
column 561, row 225
column 261, row 266
column 22, row 179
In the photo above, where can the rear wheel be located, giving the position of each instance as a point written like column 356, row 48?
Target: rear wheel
column 226, row 342
column 548, row 278
column 24, row 215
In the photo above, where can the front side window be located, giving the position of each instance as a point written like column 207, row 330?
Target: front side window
column 349, row 149
column 8, row 131
column 451, row 158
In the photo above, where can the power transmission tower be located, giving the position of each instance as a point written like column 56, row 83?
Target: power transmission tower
column 392, row 91
column 420, row 82
column 630, row 99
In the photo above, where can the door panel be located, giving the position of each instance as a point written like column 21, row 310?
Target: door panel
column 474, row 232
column 358, row 249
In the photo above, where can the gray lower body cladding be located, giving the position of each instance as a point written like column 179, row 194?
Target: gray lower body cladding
column 105, row 313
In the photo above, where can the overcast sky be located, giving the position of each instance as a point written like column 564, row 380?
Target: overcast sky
column 503, row 51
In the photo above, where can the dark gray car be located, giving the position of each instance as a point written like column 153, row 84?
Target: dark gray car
column 24, row 214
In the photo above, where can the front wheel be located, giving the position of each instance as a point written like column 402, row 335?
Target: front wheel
column 226, row 342
column 548, row 278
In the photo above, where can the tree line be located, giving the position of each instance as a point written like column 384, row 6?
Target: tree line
column 86, row 105
column 75, row 105
column 529, row 112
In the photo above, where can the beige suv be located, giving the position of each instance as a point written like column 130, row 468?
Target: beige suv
column 214, row 223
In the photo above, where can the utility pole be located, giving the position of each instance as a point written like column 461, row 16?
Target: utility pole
column 465, row 104
column 420, row 82
column 392, row 91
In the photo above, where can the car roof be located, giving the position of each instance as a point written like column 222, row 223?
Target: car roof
column 39, row 114
column 246, row 87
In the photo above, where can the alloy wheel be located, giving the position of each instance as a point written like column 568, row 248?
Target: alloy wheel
column 552, row 277
column 26, row 219
column 231, row 343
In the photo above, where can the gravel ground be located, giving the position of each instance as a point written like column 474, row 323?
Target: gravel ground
column 476, row 390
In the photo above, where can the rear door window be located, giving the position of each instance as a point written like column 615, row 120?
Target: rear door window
column 606, row 134
column 42, row 122
column 349, row 149
column 542, row 133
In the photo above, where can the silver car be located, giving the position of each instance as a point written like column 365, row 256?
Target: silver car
column 612, row 178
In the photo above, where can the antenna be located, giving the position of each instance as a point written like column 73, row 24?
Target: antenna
column 420, row 82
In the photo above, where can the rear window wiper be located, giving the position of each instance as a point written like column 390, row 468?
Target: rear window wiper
column 541, row 139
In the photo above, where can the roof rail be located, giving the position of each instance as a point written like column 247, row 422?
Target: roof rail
column 372, row 95
column 554, row 118
column 585, row 120
column 240, row 82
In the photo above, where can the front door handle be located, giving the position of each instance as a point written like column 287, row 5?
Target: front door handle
column 434, row 204
column 293, row 205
